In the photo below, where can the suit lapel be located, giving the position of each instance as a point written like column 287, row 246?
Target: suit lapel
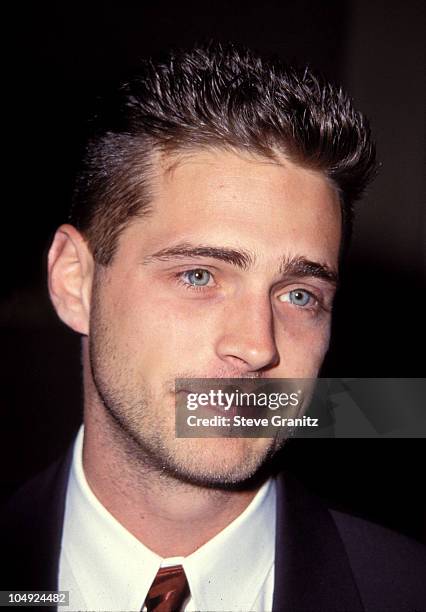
column 33, row 522
column 312, row 570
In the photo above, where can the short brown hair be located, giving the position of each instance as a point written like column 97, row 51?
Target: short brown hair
column 222, row 97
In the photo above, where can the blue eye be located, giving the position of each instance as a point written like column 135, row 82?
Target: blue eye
column 197, row 278
column 298, row 297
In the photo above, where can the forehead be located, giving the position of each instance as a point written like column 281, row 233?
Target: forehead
column 236, row 199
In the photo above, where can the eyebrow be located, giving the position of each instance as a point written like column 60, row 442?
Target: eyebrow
column 237, row 257
column 301, row 266
column 297, row 266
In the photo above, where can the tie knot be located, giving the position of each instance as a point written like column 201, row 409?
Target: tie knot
column 169, row 590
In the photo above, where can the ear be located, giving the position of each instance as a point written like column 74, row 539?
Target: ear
column 70, row 273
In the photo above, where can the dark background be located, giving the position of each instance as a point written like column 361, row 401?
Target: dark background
column 60, row 55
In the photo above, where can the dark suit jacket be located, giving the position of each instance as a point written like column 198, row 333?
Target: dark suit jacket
column 325, row 560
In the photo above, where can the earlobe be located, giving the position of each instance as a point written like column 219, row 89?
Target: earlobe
column 70, row 273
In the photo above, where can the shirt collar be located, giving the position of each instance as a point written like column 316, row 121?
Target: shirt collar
column 241, row 554
column 114, row 570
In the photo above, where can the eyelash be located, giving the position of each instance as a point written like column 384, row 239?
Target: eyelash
column 317, row 302
column 180, row 281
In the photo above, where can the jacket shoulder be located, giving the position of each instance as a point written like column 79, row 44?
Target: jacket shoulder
column 31, row 529
column 383, row 562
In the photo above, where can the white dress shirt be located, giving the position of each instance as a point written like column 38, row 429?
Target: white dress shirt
column 105, row 568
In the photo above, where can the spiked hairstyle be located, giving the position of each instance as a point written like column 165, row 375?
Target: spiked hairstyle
column 222, row 97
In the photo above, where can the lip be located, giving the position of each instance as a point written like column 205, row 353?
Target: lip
column 215, row 408
column 222, row 410
column 227, row 385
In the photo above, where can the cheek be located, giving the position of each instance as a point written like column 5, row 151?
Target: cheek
column 189, row 331
column 156, row 326
column 302, row 346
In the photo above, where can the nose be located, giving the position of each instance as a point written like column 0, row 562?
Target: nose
column 246, row 341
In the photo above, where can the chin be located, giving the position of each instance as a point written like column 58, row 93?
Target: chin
column 221, row 462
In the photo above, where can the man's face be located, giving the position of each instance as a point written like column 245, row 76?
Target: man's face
column 216, row 282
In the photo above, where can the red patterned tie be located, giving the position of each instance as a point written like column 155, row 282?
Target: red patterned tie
column 169, row 590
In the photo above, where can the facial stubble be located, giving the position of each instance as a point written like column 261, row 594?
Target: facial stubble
column 141, row 421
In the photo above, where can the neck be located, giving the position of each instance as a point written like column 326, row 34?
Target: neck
column 171, row 517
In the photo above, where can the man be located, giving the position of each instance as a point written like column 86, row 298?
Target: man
column 209, row 219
